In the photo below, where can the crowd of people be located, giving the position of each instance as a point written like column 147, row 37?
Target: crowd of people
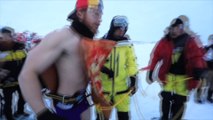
column 61, row 62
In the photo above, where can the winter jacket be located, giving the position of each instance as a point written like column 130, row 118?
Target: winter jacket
column 12, row 60
column 122, row 62
column 191, row 59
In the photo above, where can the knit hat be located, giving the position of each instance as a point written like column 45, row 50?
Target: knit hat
column 84, row 4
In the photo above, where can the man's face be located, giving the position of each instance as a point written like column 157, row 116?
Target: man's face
column 119, row 32
column 92, row 18
column 6, row 39
column 176, row 31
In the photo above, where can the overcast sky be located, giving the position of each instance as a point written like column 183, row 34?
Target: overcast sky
column 147, row 18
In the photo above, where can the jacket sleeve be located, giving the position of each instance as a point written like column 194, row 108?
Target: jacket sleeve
column 131, row 61
column 196, row 65
column 155, row 56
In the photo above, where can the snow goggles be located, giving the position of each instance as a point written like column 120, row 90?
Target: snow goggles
column 120, row 21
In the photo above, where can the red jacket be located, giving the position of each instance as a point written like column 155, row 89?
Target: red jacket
column 193, row 58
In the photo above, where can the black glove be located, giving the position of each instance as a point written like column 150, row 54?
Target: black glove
column 107, row 71
column 150, row 76
column 132, row 85
column 47, row 115
column 199, row 73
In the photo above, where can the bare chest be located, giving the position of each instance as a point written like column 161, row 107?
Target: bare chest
column 71, row 69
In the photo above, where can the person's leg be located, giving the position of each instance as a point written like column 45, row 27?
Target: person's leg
column 104, row 114
column 209, row 95
column 123, row 106
column 8, row 92
column 123, row 115
column 20, row 103
column 198, row 95
column 86, row 115
column 1, row 104
column 178, row 107
column 166, row 98
column 210, row 85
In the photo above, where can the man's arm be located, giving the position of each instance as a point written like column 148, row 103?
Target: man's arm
column 38, row 60
column 132, row 69
column 196, row 59
column 154, row 59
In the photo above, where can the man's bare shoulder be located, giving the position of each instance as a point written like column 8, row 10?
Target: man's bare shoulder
column 59, row 36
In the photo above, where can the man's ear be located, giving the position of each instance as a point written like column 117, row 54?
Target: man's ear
column 80, row 14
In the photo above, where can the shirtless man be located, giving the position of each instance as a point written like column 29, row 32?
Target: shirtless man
column 61, row 48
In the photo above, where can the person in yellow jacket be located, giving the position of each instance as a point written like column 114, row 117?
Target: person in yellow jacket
column 12, row 58
column 118, row 74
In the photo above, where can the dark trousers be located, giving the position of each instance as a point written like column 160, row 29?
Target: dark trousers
column 121, row 116
column 209, row 95
column 21, row 102
column 8, row 92
column 172, row 106
column 1, row 104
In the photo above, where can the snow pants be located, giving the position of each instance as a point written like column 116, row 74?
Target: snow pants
column 172, row 106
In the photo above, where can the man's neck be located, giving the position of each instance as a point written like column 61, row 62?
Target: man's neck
column 82, row 29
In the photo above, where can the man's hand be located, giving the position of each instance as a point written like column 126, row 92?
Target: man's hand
column 133, row 87
column 133, row 90
column 150, row 79
column 198, row 73
column 107, row 71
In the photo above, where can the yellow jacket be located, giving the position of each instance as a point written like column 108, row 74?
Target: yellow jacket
column 122, row 61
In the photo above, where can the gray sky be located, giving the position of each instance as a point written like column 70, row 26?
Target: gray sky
column 147, row 18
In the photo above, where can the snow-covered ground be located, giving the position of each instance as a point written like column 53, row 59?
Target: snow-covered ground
column 145, row 104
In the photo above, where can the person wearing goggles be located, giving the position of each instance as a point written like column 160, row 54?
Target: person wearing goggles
column 118, row 74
